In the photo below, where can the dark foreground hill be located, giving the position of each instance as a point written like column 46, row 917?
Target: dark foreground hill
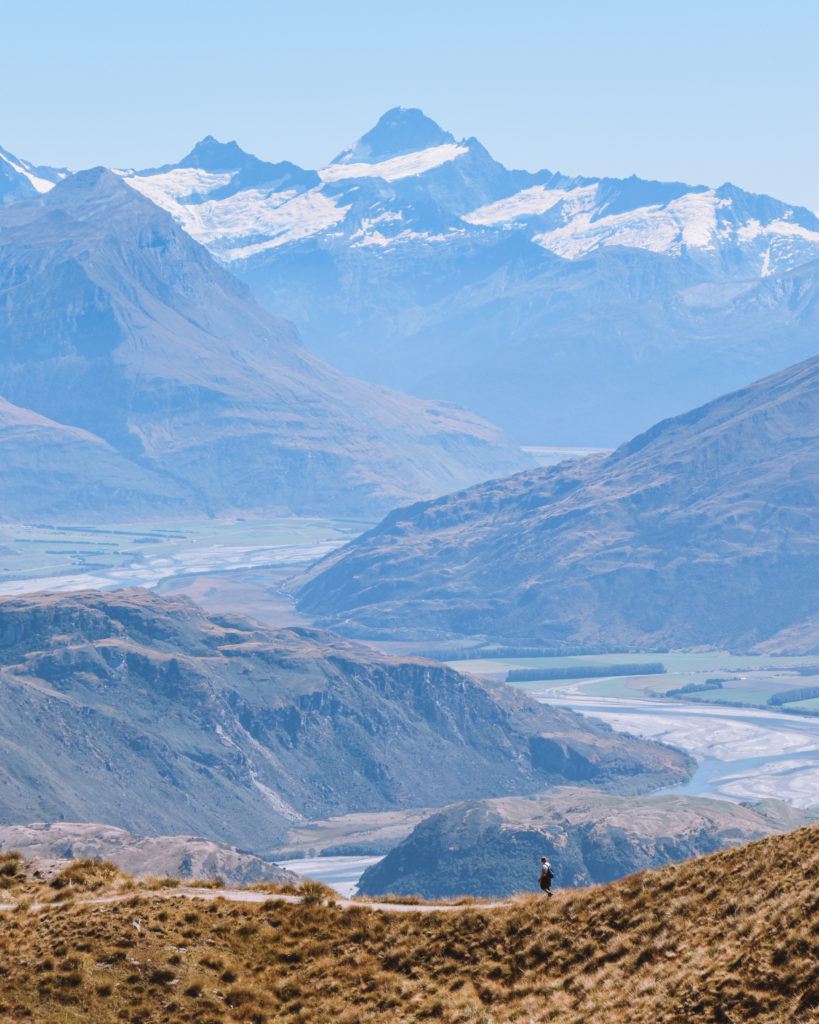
column 129, row 355
column 142, row 712
column 492, row 848
column 703, row 530
column 731, row 937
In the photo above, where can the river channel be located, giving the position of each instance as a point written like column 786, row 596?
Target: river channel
column 742, row 753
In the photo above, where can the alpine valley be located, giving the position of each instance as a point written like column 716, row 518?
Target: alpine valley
column 147, row 375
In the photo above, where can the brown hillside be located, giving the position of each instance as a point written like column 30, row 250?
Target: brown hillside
column 732, row 937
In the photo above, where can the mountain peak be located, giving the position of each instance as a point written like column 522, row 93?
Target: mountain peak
column 94, row 181
column 401, row 130
column 211, row 155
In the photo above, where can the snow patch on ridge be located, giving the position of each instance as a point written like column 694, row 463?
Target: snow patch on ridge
column 279, row 218
column 532, row 202
column 398, row 166
column 41, row 184
column 243, row 224
column 701, row 221
column 173, row 187
column 690, row 221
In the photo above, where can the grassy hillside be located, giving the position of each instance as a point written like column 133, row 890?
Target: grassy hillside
column 732, row 937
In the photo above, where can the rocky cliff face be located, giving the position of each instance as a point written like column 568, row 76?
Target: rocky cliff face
column 124, row 334
column 144, row 713
column 703, row 530
column 493, row 848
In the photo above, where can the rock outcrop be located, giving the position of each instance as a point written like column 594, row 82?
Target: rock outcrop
column 493, row 847
column 185, row 857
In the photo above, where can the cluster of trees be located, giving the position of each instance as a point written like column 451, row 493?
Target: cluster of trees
column 789, row 696
column 521, row 675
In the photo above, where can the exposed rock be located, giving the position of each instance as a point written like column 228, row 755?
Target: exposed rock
column 146, row 713
column 184, row 857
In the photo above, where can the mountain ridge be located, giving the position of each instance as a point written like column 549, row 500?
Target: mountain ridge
column 701, row 530
column 145, row 713
column 727, row 936
column 143, row 341
column 395, row 264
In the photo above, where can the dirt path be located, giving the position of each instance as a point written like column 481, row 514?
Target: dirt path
column 249, row 896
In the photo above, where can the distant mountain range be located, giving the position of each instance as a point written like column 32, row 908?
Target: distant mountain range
column 703, row 530
column 140, row 379
column 143, row 713
column 569, row 310
column 492, row 848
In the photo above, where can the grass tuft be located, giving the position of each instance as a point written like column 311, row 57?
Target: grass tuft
column 731, row 937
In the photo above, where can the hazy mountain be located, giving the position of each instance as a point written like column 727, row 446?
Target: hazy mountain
column 146, row 714
column 115, row 323
column 185, row 857
column 703, row 530
column 21, row 180
column 493, row 848
column 568, row 310
column 47, row 468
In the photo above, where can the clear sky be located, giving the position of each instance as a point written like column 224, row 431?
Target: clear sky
column 699, row 91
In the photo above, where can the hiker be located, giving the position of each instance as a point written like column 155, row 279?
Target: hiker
column 546, row 876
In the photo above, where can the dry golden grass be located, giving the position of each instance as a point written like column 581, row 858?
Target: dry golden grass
column 729, row 938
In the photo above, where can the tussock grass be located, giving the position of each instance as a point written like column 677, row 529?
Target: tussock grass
column 725, row 939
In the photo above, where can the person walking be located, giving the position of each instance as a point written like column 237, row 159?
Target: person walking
column 546, row 876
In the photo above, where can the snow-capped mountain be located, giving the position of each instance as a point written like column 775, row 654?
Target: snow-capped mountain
column 569, row 310
column 240, row 206
column 19, row 179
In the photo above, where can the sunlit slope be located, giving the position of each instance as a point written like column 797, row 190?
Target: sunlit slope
column 143, row 712
column 702, row 530
column 726, row 938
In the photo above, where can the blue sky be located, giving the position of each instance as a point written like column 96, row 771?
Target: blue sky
column 701, row 92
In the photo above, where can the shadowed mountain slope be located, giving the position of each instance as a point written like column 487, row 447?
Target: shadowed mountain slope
column 47, row 468
column 492, row 848
column 144, row 713
column 113, row 321
column 703, row 530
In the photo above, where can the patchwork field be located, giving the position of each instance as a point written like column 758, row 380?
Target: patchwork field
column 244, row 559
column 715, row 677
